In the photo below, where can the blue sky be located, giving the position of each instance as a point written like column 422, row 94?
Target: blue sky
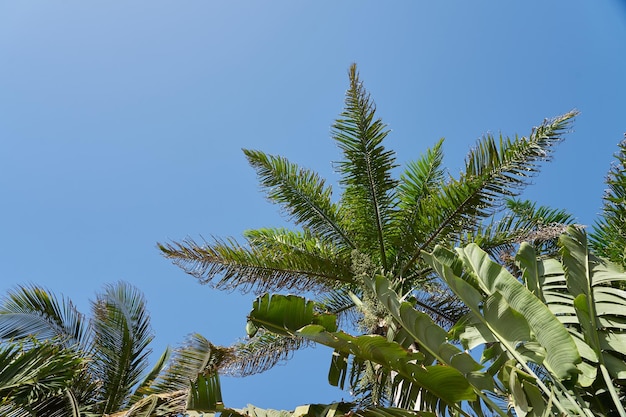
column 122, row 123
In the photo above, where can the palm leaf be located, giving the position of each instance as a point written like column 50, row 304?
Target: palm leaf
column 366, row 169
column 494, row 171
column 34, row 311
column 261, row 352
column 144, row 387
column 419, row 182
column 292, row 265
column 524, row 221
column 197, row 355
column 303, row 195
column 31, row 376
column 121, row 337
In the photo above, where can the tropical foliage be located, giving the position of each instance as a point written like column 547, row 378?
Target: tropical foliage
column 552, row 342
column 391, row 221
column 57, row 362
column 32, row 379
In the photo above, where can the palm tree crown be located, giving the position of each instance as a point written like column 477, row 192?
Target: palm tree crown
column 386, row 221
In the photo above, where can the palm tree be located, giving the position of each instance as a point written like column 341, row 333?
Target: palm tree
column 380, row 223
column 104, row 358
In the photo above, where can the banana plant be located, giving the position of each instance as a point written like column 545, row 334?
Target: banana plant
column 555, row 338
column 417, row 378
column 552, row 339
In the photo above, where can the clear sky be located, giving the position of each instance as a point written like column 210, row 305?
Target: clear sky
column 122, row 123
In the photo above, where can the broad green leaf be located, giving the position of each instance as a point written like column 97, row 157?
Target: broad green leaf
column 561, row 353
column 444, row 381
column 532, row 271
column 289, row 314
column 284, row 314
column 338, row 369
column 508, row 323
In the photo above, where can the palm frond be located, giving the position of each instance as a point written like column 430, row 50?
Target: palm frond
column 122, row 334
column 322, row 259
column 366, row 169
column 35, row 311
column 261, row 352
column 167, row 404
column 144, row 388
column 303, row 195
column 419, row 182
column 196, row 356
column 494, row 172
column 31, row 376
column 293, row 264
column 608, row 238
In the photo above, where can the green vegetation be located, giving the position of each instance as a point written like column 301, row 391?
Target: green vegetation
column 439, row 295
column 388, row 221
column 59, row 363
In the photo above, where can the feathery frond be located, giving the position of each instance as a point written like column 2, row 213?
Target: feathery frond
column 303, row 195
column 37, row 373
column 366, row 169
column 294, row 264
column 524, row 221
column 122, row 334
column 28, row 311
column 493, row 172
column 261, row 352
column 196, row 356
column 420, row 181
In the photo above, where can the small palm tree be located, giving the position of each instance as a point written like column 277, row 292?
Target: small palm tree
column 386, row 221
column 104, row 358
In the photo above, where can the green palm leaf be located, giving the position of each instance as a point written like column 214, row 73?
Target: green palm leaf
column 28, row 311
column 33, row 375
column 122, row 334
column 494, row 171
column 303, row 195
column 540, row 226
column 261, row 352
column 295, row 263
column 420, row 181
column 366, row 169
column 196, row 356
